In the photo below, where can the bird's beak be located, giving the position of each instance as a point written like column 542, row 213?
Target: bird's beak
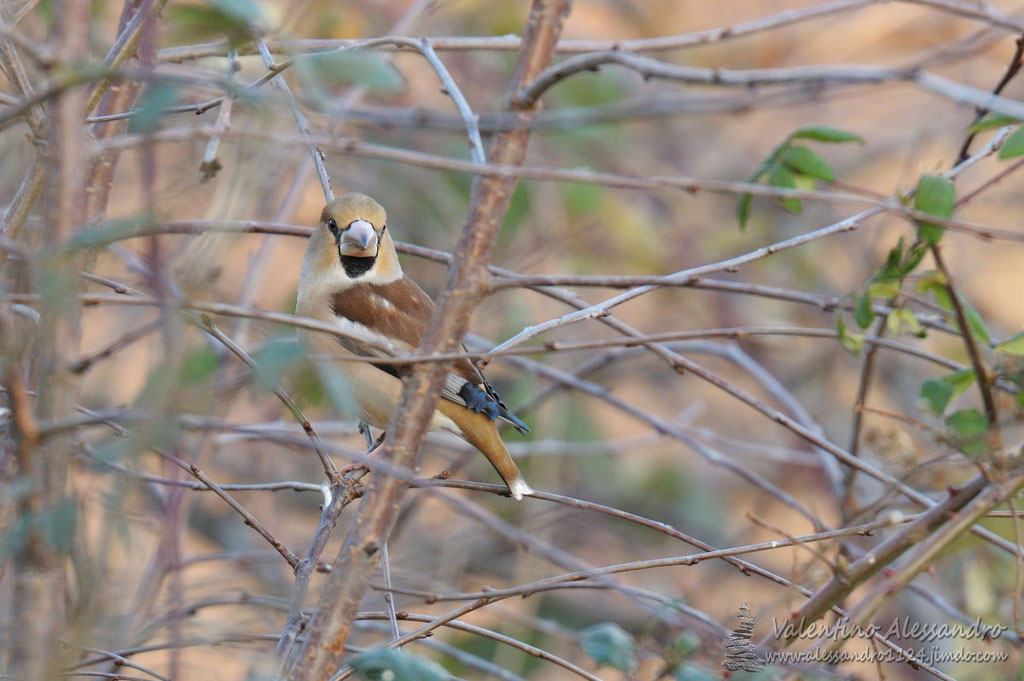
column 357, row 238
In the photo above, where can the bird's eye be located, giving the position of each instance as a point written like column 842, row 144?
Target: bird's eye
column 384, row 228
column 332, row 225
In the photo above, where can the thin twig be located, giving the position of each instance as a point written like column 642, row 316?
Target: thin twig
column 329, row 468
column 470, row 120
column 14, row 69
column 83, row 364
column 249, row 518
column 846, row 499
column 210, row 165
column 341, row 496
column 984, row 380
column 385, row 566
column 120, row 659
column 300, row 120
column 21, row 205
column 1011, row 70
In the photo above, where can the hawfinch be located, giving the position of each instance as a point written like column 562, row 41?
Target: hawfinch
column 351, row 277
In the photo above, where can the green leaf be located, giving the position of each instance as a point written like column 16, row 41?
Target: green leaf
column 937, row 283
column 347, row 67
column 890, row 270
column 802, row 160
column 895, row 256
column 900, row 263
column 781, row 176
column 937, row 394
column 992, row 120
column 930, row 280
column 197, row 22
column 306, row 386
column 822, row 133
column 892, row 323
column 967, row 422
column 935, row 195
column 884, row 290
column 743, row 210
column 913, row 258
column 853, row 342
column 1013, row 145
column 913, row 323
column 862, row 312
column 960, row 380
column 233, row 19
column 1013, row 345
column 387, row 664
column 275, row 360
column 199, row 365
column 977, row 324
column 943, row 299
column 805, row 182
column 609, row 644
column 904, row 320
column 241, row 11
column 155, row 101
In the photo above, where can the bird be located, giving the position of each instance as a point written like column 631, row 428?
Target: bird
column 351, row 277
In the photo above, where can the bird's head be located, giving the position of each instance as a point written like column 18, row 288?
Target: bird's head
column 352, row 235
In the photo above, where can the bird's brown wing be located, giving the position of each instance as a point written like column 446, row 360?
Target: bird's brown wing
column 399, row 312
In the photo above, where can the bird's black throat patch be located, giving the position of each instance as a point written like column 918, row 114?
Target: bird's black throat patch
column 356, row 267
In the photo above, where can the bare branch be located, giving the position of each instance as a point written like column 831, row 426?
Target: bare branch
column 329, row 468
column 210, row 165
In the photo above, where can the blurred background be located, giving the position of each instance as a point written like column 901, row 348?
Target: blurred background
column 157, row 563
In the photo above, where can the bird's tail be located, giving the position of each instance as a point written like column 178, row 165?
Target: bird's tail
column 481, row 432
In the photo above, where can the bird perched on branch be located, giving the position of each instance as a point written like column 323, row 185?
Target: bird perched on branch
column 351, row 277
